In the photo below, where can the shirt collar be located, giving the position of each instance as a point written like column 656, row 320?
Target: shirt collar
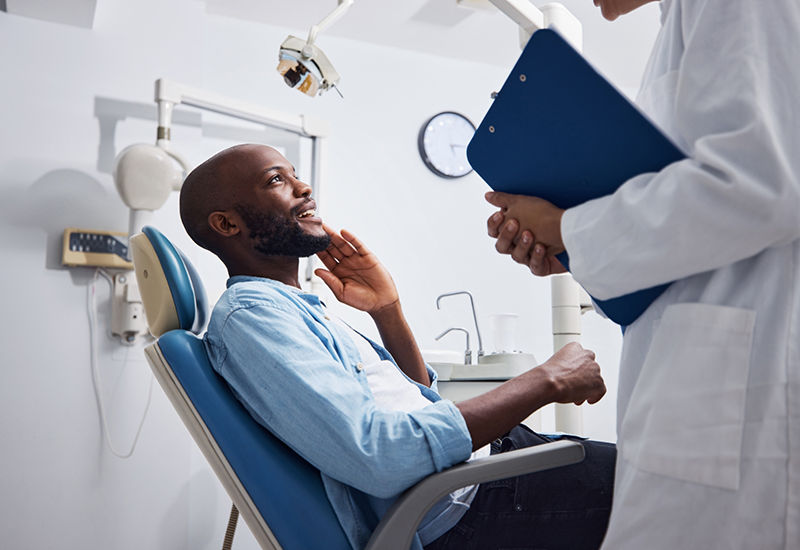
column 247, row 278
column 309, row 298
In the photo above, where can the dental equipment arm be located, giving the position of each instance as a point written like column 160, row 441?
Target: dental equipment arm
column 530, row 19
column 331, row 18
column 303, row 65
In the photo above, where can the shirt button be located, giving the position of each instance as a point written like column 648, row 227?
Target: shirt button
column 328, row 318
column 359, row 367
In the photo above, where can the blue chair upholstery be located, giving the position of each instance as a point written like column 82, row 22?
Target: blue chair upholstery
column 278, row 493
column 285, row 489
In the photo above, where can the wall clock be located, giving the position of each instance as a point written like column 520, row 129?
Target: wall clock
column 443, row 144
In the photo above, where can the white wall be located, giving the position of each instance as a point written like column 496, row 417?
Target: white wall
column 60, row 89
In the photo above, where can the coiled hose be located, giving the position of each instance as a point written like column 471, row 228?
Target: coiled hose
column 228, row 542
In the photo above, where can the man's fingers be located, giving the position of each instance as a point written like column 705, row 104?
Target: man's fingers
column 598, row 395
column 342, row 245
column 334, row 252
column 327, row 259
column 355, row 242
column 338, row 247
column 331, row 280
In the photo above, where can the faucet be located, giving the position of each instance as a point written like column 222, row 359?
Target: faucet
column 467, row 352
column 474, row 317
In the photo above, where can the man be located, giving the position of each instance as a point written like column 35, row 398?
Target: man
column 709, row 407
column 368, row 417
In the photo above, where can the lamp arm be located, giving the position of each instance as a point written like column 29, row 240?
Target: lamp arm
column 530, row 19
column 183, row 161
column 522, row 12
column 331, row 18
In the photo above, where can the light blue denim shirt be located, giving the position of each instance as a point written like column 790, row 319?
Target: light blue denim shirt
column 298, row 374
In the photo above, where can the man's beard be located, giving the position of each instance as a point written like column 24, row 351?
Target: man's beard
column 274, row 235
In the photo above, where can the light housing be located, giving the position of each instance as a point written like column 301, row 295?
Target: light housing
column 305, row 67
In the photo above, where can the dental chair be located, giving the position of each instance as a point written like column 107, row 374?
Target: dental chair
column 280, row 496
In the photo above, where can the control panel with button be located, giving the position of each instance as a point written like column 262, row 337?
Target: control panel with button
column 95, row 248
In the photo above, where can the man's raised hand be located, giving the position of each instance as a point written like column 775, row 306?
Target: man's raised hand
column 354, row 274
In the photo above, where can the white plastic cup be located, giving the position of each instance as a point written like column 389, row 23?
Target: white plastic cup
column 504, row 331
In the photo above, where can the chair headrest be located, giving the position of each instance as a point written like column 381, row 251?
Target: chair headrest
column 172, row 293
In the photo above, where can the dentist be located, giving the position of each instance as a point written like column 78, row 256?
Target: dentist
column 709, row 392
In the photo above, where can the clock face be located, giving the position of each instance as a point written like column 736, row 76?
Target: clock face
column 443, row 144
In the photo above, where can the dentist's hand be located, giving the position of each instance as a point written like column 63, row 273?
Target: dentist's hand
column 354, row 274
column 529, row 229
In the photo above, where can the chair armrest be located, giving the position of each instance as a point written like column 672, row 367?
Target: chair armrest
column 398, row 527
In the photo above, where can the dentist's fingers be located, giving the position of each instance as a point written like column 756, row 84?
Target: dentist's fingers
column 498, row 199
column 543, row 263
column 522, row 251
column 505, row 240
column 537, row 262
column 494, row 222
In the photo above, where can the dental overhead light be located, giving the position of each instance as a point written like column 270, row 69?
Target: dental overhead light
column 303, row 65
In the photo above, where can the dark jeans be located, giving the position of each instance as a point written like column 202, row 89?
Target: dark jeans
column 563, row 508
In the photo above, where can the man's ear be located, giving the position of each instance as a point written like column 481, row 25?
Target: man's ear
column 226, row 224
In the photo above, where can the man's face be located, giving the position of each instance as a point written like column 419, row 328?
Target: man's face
column 612, row 9
column 276, row 207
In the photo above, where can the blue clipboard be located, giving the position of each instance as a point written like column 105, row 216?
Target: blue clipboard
column 560, row 131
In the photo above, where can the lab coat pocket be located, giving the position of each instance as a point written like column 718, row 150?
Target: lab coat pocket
column 686, row 414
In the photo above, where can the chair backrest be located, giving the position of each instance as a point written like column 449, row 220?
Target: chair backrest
column 279, row 494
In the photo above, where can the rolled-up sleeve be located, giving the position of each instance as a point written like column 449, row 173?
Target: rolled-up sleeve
column 293, row 381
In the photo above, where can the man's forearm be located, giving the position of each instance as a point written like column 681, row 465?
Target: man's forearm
column 494, row 413
column 570, row 376
column 399, row 341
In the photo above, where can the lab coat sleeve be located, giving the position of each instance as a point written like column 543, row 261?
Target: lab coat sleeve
column 737, row 88
column 293, row 383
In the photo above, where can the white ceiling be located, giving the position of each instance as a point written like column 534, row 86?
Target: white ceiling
column 79, row 13
column 444, row 28
column 438, row 27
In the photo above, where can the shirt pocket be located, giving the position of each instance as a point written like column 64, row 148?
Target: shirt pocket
column 686, row 415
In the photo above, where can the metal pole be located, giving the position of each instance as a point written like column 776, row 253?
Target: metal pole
column 566, row 300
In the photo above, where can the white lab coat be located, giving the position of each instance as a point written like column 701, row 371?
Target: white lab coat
column 709, row 393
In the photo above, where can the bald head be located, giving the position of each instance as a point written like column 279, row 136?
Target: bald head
column 214, row 186
column 247, row 206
